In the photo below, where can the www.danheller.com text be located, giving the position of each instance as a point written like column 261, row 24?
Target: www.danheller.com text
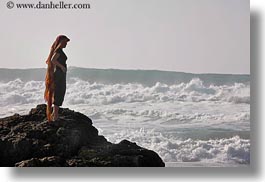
column 53, row 5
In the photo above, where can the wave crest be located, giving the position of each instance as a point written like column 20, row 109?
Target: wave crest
column 83, row 92
column 225, row 150
column 193, row 91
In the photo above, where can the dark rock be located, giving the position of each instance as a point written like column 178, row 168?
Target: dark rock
column 72, row 140
column 52, row 161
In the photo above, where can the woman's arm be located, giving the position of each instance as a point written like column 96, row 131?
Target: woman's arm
column 54, row 61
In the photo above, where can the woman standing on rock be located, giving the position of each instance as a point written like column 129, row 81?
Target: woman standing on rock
column 55, row 80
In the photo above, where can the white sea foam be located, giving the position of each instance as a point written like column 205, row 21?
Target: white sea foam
column 194, row 94
column 18, row 92
column 224, row 150
column 174, row 102
column 84, row 92
column 187, row 107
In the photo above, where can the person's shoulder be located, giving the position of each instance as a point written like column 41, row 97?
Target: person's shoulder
column 58, row 51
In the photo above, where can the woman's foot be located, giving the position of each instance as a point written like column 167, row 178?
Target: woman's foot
column 55, row 112
column 54, row 117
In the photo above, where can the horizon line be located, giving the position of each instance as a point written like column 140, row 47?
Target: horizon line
column 120, row 69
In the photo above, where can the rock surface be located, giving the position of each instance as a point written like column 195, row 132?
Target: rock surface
column 71, row 141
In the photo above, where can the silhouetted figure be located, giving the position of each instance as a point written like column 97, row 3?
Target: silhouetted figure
column 55, row 80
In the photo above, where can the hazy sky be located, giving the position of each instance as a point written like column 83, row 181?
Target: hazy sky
column 199, row 36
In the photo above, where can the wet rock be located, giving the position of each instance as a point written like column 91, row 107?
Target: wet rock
column 29, row 140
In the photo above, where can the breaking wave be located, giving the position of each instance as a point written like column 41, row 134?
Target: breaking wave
column 223, row 150
column 83, row 92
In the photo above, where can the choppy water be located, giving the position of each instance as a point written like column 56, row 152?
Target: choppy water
column 203, row 118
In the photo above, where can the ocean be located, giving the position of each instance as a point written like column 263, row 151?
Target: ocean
column 188, row 119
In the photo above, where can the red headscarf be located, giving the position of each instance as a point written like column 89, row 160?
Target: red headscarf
column 49, row 78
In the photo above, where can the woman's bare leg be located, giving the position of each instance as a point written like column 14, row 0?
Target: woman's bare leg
column 55, row 112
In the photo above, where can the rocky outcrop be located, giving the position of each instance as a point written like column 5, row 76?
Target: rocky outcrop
column 72, row 140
